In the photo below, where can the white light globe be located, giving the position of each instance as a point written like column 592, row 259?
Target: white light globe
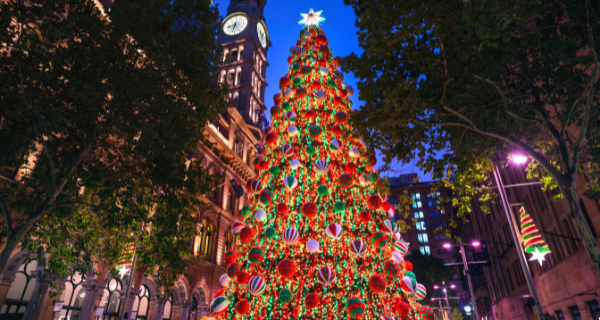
column 312, row 246
column 225, row 280
column 260, row 216
column 295, row 164
column 396, row 256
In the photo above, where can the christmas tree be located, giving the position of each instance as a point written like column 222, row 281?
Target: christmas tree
column 317, row 240
column 532, row 239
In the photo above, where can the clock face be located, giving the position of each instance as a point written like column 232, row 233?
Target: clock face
column 262, row 34
column 235, row 25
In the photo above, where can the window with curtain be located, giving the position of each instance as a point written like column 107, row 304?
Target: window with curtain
column 141, row 303
column 208, row 240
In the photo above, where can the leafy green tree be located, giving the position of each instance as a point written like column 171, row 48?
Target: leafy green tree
column 100, row 112
column 479, row 78
column 429, row 270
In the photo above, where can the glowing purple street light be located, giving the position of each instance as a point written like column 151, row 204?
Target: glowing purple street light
column 447, row 245
column 475, row 243
column 452, row 286
column 518, row 158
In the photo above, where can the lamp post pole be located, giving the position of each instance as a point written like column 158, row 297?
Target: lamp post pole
column 468, row 274
column 506, row 205
column 447, row 304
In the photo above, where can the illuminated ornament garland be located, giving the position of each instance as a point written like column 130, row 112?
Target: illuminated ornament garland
column 532, row 239
column 316, row 237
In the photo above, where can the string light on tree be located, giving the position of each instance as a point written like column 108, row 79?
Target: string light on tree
column 532, row 239
column 324, row 246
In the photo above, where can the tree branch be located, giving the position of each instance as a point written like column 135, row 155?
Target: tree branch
column 52, row 170
column 8, row 218
column 445, row 63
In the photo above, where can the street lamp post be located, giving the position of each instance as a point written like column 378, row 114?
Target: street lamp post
column 445, row 298
column 506, row 205
column 465, row 264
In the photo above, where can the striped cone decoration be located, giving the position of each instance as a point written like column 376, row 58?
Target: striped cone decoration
column 401, row 246
column 290, row 236
column 237, row 227
column 386, row 317
column 219, row 305
column 408, row 285
column 290, row 183
column 286, row 150
column 334, row 231
column 379, row 240
column 389, row 226
column 420, row 292
column 357, row 248
column 532, row 239
column 326, row 276
column 128, row 254
column 321, row 166
column 256, row 285
column 425, row 312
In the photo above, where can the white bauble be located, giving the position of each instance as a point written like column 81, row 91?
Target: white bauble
column 260, row 216
column 354, row 153
column 225, row 280
column 295, row 164
column 397, row 235
column 396, row 256
column 288, row 93
column 324, row 71
column 312, row 246
column 364, row 180
column 292, row 130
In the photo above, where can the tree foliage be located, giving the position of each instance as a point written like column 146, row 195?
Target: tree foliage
column 100, row 112
column 456, row 83
column 429, row 270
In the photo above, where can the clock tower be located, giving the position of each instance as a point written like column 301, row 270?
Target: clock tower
column 244, row 40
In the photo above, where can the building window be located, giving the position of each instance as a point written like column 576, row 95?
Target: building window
column 111, row 298
column 234, row 55
column 168, row 308
column 231, row 204
column 228, row 241
column 416, row 200
column 208, row 241
column 560, row 315
column 422, row 250
column 141, row 303
column 421, row 225
column 594, row 308
column 20, row 292
column 439, row 251
column 425, row 239
column 432, row 198
column 419, row 215
column 427, row 252
column 575, row 313
column 72, row 297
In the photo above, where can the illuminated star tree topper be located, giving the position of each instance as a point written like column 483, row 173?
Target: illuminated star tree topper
column 532, row 239
column 311, row 18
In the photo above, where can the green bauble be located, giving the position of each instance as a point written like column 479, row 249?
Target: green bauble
column 339, row 207
column 310, row 150
column 296, row 66
column 297, row 81
column 245, row 211
column 322, row 191
column 270, row 233
column 330, row 83
column 275, row 170
column 410, row 274
column 285, row 296
column 373, row 177
column 286, row 106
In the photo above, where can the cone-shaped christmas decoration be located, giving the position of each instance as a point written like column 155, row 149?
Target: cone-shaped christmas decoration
column 325, row 243
column 532, row 239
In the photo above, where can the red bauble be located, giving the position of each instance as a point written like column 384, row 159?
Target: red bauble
column 374, row 202
column 242, row 307
column 271, row 138
column 300, row 92
column 246, row 235
column 336, row 130
column 242, row 278
column 321, row 39
column 385, row 206
column 337, row 60
column 322, row 63
column 343, row 93
column 284, row 82
column 283, row 209
column 377, row 283
column 290, row 59
column 323, row 48
column 315, row 85
column 337, row 100
column 312, row 300
column 249, row 185
column 372, row 160
column 401, row 307
column 310, row 210
column 407, row 265
column 220, row 292
column 229, row 260
column 350, row 167
column 286, row 268
column 364, row 216
column 345, row 181
column 310, row 114
column 341, row 117
column 277, row 98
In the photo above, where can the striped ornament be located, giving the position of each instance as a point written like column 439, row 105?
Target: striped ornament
column 379, row 240
column 219, row 305
column 321, row 166
column 335, row 146
column 532, row 237
column 256, row 255
column 237, row 227
column 357, row 248
column 334, row 231
column 408, row 285
column 354, row 153
column 338, row 75
column 401, row 246
column 256, row 285
column 421, row 292
column 291, row 236
column 256, row 186
column 425, row 313
column 350, row 91
column 290, row 116
column 326, row 276
column 397, row 256
column 386, row 317
column 300, row 51
column 287, row 150
column 355, row 306
column 320, row 95
column 290, row 183
column 266, row 197
column 293, row 50
column 389, row 226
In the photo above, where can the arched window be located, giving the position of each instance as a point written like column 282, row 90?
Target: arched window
column 231, row 204
column 141, row 303
column 208, row 240
column 72, row 297
column 167, row 310
column 194, row 308
column 228, row 241
column 20, row 291
column 199, row 238
column 111, row 299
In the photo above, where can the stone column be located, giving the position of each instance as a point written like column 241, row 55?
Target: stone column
column 5, row 283
column 159, row 307
column 89, row 302
column 38, row 297
column 184, row 309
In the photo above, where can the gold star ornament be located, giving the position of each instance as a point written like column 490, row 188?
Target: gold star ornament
column 311, row 18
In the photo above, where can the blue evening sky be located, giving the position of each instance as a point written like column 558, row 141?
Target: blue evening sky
column 282, row 18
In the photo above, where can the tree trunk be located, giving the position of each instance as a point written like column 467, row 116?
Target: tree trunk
column 589, row 242
column 14, row 240
column 11, row 245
